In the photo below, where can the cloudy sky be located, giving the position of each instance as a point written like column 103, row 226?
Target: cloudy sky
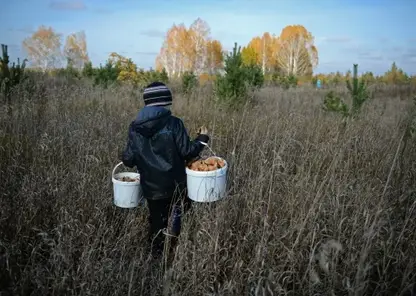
column 372, row 33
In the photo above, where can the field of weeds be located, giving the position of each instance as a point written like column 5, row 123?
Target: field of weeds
column 315, row 206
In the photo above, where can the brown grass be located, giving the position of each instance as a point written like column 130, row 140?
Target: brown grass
column 314, row 206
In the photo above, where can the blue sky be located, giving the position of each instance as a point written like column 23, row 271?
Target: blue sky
column 370, row 33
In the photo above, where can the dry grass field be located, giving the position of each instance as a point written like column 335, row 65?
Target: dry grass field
column 315, row 206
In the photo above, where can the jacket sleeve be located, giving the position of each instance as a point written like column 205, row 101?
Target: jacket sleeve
column 188, row 149
column 128, row 156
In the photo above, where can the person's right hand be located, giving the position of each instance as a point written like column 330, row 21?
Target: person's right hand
column 203, row 130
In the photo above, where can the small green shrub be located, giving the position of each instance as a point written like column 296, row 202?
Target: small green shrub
column 334, row 103
column 358, row 92
column 238, row 79
column 102, row 76
column 189, row 82
column 69, row 72
column 106, row 75
column 88, row 71
column 163, row 76
column 255, row 77
column 285, row 81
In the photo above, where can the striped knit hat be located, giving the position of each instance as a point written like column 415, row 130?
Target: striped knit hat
column 157, row 94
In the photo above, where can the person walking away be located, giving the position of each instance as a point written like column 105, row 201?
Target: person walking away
column 159, row 146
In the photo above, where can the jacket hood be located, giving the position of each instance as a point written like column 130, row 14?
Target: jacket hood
column 150, row 120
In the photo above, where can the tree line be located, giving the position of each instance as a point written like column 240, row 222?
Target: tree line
column 287, row 58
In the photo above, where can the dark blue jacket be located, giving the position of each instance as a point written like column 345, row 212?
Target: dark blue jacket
column 159, row 146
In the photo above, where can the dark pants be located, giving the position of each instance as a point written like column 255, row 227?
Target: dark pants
column 160, row 211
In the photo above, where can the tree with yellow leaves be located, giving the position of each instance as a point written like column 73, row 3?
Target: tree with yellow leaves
column 175, row 55
column 250, row 56
column 199, row 35
column 297, row 55
column 189, row 50
column 215, row 57
column 44, row 48
column 395, row 75
column 75, row 50
column 128, row 69
column 262, row 51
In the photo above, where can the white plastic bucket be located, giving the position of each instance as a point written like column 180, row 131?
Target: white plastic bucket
column 207, row 186
column 126, row 194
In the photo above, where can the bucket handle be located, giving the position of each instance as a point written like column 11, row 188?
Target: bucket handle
column 206, row 145
column 114, row 170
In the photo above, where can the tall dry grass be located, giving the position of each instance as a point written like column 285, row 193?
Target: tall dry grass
column 315, row 207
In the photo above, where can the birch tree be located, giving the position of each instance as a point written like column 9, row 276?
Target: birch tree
column 297, row 54
column 189, row 50
column 262, row 51
column 214, row 57
column 44, row 48
column 75, row 50
column 199, row 33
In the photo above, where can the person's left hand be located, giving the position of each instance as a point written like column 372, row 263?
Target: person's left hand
column 203, row 130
